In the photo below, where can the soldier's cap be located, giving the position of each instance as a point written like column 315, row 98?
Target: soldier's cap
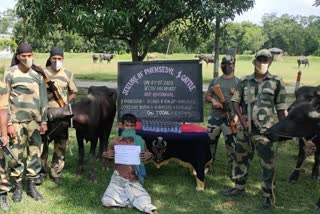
column 228, row 59
column 263, row 53
column 24, row 47
column 56, row 51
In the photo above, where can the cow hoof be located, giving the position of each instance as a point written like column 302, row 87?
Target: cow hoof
column 105, row 168
column 292, row 181
column 294, row 177
column 315, row 175
column 79, row 172
column 93, row 179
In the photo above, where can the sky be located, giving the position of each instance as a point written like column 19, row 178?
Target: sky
column 6, row 4
column 292, row 7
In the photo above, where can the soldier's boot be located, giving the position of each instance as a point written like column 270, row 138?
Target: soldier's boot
column 4, row 202
column 32, row 191
column 57, row 180
column 17, row 194
column 267, row 204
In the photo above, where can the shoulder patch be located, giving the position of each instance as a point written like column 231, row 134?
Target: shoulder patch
column 245, row 78
column 12, row 69
column 276, row 77
column 68, row 73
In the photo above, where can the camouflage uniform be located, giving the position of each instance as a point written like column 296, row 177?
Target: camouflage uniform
column 64, row 82
column 265, row 97
column 217, row 122
column 4, row 181
column 27, row 109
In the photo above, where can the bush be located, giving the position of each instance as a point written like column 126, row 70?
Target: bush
column 316, row 53
column 247, row 52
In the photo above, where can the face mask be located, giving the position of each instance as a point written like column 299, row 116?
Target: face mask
column 27, row 62
column 227, row 70
column 262, row 68
column 57, row 65
column 128, row 133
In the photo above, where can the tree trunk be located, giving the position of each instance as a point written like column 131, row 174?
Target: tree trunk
column 216, row 49
column 134, row 51
column 134, row 48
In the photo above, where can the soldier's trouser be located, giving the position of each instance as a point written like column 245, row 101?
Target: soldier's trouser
column 27, row 136
column 4, row 180
column 215, row 127
column 58, row 157
column 244, row 153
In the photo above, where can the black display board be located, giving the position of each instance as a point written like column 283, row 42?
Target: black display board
column 161, row 90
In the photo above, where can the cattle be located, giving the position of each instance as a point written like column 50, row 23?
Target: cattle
column 93, row 119
column 304, row 61
column 107, row 56
column 303, row 122
column 95, row 58
column 152, row 56
column 207, row 59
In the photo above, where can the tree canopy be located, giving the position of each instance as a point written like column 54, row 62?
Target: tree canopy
column 137, row 22
column 7, row 19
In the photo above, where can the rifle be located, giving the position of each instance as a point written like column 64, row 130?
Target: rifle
column 247, row 109
column 217, row 90
column 8, row 151
column 50, row 86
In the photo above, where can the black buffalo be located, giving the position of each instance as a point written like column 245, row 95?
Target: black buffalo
column 93, row 119
column 207, row 59
column 107, row 56
column 303, row 122
column 304, row 61
column 95, row 58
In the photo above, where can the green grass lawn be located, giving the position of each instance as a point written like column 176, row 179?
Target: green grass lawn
column 82, row 66
column 172, row 187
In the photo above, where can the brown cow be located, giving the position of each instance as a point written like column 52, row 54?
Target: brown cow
column 152, row 56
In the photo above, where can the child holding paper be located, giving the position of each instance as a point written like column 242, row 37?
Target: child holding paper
column 125, row 188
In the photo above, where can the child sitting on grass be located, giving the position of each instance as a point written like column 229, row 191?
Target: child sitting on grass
column 125, row 188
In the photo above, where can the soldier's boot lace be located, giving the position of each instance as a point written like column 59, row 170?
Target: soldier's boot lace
column 32, row 191
column 17, row 194
column 4, row 202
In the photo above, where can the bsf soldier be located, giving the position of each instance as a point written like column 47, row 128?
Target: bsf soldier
column 218, row 121
column 4, row 183
column 27, row 119
column 260, row 94
column 66, row 88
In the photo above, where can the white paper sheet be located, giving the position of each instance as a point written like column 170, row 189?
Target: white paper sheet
column 127, row 154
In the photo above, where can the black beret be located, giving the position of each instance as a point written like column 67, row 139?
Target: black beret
column 56, row 51
column 24, row 48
